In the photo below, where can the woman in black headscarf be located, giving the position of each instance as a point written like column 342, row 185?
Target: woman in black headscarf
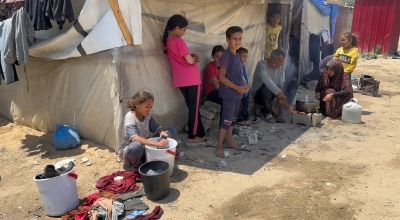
column 333, row 89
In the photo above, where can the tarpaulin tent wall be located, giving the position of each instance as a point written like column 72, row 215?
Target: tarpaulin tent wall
column 91, row 91
column 316, row 17
column 309, row 19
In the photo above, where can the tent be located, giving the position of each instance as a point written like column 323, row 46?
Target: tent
column 311, row 20
column 84, row 74
column 91, row 91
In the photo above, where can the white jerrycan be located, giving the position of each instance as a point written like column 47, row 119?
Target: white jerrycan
column 352, row 111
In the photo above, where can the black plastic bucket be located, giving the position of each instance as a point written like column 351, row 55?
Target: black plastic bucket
column 156, row 186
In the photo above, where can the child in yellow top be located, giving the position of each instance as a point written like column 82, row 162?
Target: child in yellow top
column 348, row 53
column 273, row 31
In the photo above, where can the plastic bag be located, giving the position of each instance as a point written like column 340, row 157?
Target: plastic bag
column 66, row 137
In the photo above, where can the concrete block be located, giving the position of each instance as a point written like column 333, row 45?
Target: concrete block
column 207, row 123
column 207, row 114
column 302, row 119
column 213, row 109
column 212, row 105
column 216, row 120
column 316, row 119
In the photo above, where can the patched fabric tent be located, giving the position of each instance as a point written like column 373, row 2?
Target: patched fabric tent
column 84, row 74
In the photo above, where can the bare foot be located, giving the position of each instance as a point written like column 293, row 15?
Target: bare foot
column 219, row 152
column 232, row 144
column 196, row 140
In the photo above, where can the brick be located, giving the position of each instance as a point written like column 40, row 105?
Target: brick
column 212, row 106
column 302, row 119
column 316, row 119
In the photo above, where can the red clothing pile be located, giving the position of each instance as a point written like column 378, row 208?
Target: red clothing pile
column 108, row 188
column 154, row 215
column 82, row 212
column 127, row 184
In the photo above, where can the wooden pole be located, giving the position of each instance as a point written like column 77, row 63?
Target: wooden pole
column 121, row 22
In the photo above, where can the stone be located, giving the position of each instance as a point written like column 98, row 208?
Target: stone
column 213, row 105
column 331, row 184
column 226, row 153
column 207, row 123
column 302, row 119
column 213, row 109
column 223, row 163
column 207, row 114
column 216, row 120
column 316, row 119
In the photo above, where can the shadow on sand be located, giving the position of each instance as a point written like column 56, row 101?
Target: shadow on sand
column 272, row 140
column 43, row 146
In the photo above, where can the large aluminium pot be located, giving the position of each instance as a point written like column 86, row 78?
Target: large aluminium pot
column 306, row 107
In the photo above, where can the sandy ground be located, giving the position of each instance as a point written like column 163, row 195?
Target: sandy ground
column 336, row 171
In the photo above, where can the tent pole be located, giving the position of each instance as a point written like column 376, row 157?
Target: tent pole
column 121, row 22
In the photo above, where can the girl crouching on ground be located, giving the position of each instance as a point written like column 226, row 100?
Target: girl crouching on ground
column 139, row 125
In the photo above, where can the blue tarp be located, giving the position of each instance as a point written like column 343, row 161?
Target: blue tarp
column 327, row 10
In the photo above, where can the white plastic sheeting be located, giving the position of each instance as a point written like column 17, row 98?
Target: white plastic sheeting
column 90, row 92
column 98, row 21
column 79, row 92
column 314, row 22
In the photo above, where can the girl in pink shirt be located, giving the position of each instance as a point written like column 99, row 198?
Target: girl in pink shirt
column 185, row 74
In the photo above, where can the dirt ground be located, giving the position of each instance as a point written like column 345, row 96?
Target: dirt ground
column 336, row 171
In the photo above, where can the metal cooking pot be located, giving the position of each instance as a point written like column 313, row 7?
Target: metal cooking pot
column 306, row 107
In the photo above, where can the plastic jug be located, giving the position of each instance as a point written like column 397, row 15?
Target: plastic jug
column 352, row 111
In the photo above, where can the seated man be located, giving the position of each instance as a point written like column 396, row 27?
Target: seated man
column 267, row 87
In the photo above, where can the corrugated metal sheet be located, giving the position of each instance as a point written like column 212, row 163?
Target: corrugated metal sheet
column 398, row 47
column 343, row 24
column 378, row 24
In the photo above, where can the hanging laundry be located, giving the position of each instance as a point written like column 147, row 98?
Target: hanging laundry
column 60, row 11
column 42, row 11
column 16, row 35
column 36, row 10
column 9, row 7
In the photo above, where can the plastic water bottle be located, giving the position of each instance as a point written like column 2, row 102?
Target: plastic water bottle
column 252, row 138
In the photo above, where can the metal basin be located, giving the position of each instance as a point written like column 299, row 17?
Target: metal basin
column 307, row 107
